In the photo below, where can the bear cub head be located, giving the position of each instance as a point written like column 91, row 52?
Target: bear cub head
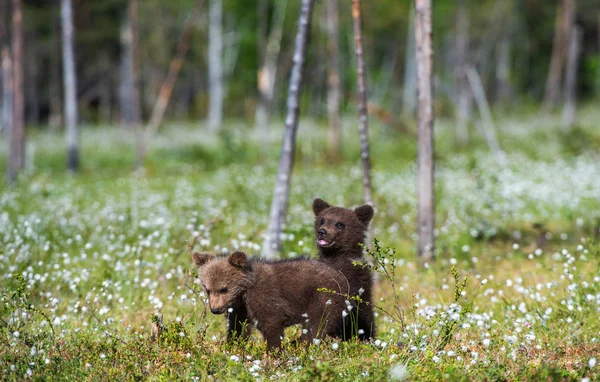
column 225, row 279
column 340, row 229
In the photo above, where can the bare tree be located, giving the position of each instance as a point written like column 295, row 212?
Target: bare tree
column 574, row 52
column 130, row 69
column 565, row 16
column 462, row 86
column 16, row 155
column 363, row 126
column 215, row 64
column 70, row 84
column 425, row 165
column 272, row 243
column 333, row 78
column 267, row 71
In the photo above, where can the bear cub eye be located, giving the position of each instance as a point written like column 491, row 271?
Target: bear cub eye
column 223, row 290
column 322, row 222
column 339, row 225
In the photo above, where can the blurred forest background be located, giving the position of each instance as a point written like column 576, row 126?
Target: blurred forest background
column 510, row 43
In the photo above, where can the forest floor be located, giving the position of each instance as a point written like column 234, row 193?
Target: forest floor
column 87, row 259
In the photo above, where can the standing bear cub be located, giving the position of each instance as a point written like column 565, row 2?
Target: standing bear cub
column 339, row 233
column 272, row 295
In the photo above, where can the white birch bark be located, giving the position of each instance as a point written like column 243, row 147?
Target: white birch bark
column 70, row 85
column 279, row 204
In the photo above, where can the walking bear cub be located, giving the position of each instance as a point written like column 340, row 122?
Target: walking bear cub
column 272, row 295
column 339, row 232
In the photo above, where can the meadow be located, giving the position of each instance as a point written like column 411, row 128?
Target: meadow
column 87, row 259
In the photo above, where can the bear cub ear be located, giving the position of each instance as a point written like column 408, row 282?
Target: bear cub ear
column 201, row 258
column 319, row 205
column 364, row 213
column 239, row 260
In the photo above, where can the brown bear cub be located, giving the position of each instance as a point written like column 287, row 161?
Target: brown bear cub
column 339, row 233
column 272, row 295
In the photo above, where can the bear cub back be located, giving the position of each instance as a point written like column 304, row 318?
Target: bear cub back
column 272, row 295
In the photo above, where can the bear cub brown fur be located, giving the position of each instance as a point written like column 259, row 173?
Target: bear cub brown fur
column 272, row 295
column 339, row 233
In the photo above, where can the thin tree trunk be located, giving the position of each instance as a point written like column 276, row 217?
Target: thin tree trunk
column 425, row 165
column 215, row 65
column 130, row 93
column 363, row 126
column 409, row 103
column 166, row 90
column 333, row 79
column 488, row 127
column 16, row 155
column 574, row 52
column 268, row 70
column 462, row 86
column 272, row 243
column 564, row 17
column 70, row 84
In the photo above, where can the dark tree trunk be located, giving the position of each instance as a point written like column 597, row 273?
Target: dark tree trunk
column 363, row 126
column 70, row 85
column 16, row 155
column 333, row 79
column 279, row 204
column 215, row 65
column 425, row 165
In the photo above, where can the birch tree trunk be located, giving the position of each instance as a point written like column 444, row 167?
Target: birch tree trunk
column 333, row 79
column 574, row 52
column 215, row 65
column 16, row 154
column 130, row 91
column 70, row 85
column 363, row 126
column 425, row 119
column 462, row 85
column 279, row 204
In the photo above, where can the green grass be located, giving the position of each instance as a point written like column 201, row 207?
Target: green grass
column 87, row 259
